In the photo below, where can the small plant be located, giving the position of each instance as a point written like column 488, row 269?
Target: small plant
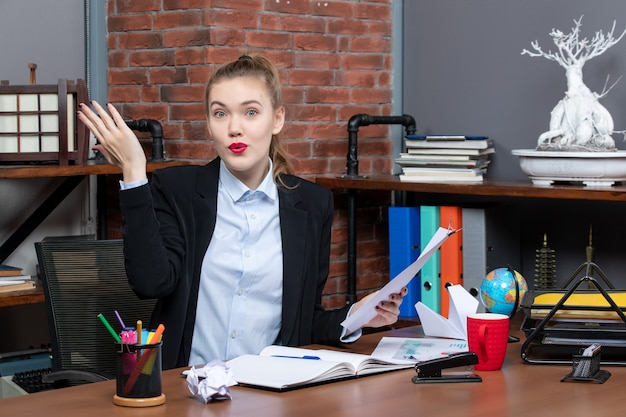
column 578, row 122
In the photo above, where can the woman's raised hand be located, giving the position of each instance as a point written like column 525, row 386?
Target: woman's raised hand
column 116, row 140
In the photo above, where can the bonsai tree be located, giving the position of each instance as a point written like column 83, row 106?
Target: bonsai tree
column 578, row 122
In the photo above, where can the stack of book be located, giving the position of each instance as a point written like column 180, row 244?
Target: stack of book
column 12, row 278
column 445, row 158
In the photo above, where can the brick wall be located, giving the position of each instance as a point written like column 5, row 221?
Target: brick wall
column 334, row 59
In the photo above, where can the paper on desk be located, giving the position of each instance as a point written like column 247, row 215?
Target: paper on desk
column 367, row 312
column 417, row 349
column 462, row 304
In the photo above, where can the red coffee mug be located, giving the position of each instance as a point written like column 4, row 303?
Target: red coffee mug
column 487, row 337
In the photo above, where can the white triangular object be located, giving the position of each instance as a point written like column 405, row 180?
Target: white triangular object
column 462, row 304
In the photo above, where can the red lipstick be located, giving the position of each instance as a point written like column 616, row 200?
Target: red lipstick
column 238, row 147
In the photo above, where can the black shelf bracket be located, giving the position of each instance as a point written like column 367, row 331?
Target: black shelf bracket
column 38, row 216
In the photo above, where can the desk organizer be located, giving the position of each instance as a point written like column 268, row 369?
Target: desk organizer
column 138, row 375
column 38, row 123
column 587, row 368
column 559, row 323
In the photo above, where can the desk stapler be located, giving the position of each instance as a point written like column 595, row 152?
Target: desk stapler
column 429, row 372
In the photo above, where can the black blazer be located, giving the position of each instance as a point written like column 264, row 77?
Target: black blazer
column 167, row 227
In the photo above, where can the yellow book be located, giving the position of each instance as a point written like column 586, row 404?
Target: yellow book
column 579, row 299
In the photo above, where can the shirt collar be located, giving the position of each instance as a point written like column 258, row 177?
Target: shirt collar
column 237, row 189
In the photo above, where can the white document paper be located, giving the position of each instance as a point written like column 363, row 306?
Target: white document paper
column 417, row 349
column 462, row 304
column 367, row 312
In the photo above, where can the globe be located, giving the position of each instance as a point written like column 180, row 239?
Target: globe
column 498, row 292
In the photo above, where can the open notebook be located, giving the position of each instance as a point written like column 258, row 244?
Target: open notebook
column 282, row 368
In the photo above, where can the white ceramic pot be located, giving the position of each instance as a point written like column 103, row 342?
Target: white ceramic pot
column 590, row 168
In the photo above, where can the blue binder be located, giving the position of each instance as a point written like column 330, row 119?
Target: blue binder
column 430, row 280
column 404, row 249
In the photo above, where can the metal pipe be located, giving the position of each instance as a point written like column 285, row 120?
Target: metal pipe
column 354, row 123
column 359, row 120
column 156, row 131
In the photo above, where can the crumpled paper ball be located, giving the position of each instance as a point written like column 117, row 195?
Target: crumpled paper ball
column 211, row 382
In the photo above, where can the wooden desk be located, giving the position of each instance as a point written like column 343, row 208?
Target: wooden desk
column 519, row 389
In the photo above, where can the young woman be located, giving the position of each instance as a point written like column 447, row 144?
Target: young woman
column 236, row 251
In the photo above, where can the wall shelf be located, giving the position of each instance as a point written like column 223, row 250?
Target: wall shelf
column 90, row 168
column 73, row 175
column 489, row 188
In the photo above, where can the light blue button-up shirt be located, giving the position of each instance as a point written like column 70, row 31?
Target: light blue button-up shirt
column 239, row 308
column 241, row 284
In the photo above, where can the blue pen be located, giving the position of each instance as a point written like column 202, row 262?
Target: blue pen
column 315, row 358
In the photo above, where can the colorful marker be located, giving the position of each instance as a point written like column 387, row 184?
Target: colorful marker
column 119, row 318
column 109, row 328
column 139, row 330
column 156, row 336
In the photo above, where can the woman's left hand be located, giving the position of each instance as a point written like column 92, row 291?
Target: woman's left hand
column 387, row 311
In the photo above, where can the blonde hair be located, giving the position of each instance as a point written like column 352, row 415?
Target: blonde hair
column 258, row 66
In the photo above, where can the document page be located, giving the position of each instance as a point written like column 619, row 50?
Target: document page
column 367, row 312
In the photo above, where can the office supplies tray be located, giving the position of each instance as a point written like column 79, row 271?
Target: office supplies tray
column 560, row 323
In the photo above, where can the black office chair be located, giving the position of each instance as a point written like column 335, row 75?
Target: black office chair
column 81, row 279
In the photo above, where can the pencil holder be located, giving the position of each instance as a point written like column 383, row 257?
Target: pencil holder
column 138, row 375
column 587, row 368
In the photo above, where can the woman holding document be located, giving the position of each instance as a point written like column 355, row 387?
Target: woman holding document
column 236, row 251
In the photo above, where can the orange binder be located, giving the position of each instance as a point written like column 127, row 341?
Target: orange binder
column 451, row 256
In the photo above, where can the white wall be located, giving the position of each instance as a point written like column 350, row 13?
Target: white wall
column 48, row 33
